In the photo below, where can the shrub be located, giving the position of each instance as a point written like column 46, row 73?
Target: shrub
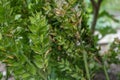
column 46, row 39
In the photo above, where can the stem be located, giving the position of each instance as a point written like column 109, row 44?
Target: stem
column 106, row 74
column 6, row 78
column 86, row 64
column 96, row 8
column 104, row 68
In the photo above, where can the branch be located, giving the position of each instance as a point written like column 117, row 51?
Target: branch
column 99, row 2
column 96, row 7
column 93, row 3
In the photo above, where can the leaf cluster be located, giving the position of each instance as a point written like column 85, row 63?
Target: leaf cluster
column 45, row 39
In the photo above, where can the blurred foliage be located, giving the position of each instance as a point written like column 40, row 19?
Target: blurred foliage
column 107, row 30
column 107, row 18
column 46, row 40
column 114, row 52
column 1, row 75
column 108, row 4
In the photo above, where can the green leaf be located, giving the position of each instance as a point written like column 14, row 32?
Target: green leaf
column 25, row 75
column 1, row 75
column 18, row 16
column 0, row 36
column 105, row 13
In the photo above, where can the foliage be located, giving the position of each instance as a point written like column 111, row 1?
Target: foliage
column 0, row 75
column 108, row 4
column 114, row 52
column 106, row 30
column 107, row 20
column 46, row 40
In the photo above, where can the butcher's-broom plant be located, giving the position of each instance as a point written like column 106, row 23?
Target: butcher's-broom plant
column 41, row 40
